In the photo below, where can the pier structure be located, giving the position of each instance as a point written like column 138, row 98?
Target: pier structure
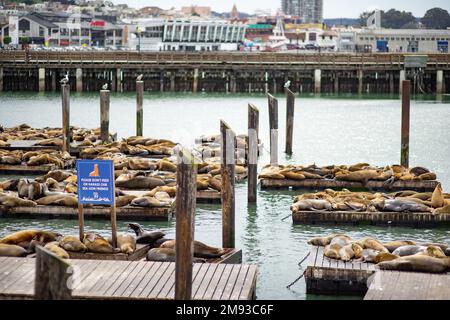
column 322, row 73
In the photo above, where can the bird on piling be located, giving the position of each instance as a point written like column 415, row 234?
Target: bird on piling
column 140, row 77
column 105, row 86
column 287, row 84
column 65, row 80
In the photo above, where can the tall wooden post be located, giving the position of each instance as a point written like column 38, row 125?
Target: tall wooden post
column 228, row 184
column 139, row 108
column 81, row 221
column 104, row 115
column 79, row 79
column 65, row 94
column 252, row 165
column 52, row 279
column 273, row 121
column 41, row 74
column 290, row 109
column 406, row 88
column 185, row 204
column 1, row 79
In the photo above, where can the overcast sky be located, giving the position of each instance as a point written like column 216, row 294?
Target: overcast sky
column 332, row 8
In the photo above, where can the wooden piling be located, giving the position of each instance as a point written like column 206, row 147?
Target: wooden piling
column 273, row 121
column 185, row 204
column 65, row 92
column 81, row 221
column 228, row 185
column 104, row 115
column 290, row 107
column 139, row 108
column 406, row 87
column 252, row 165
column 1, row 79
column 52, row 278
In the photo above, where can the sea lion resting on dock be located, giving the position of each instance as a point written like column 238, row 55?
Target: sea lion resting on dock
column 311, row 205
column 13, row 201
column 24, row 237
column 409, row 250
column 57, row 250
column 97, row 244
column 167, row 255
column 417, row 263
column 201, row 250
column 145, row 237
column 139, row 182
column 11, row 250
column 72, row 244
column 126, row 243
column 393, row 245
column 65, row 200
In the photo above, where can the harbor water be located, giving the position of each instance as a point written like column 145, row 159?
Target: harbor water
column 327, row 130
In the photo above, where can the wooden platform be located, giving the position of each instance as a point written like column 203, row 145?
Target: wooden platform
column 133, row 280
column 415, row 220
column 33, row 170
column 138, row 254
column 209, row 196
column 335, row 277
column 321, row 184
column 396, row 285
column 59, row 212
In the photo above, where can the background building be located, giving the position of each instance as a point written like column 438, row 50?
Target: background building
column 308, row 11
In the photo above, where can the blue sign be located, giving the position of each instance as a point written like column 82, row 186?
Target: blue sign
column 95, row 182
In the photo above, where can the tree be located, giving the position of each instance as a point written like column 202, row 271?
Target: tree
column 436, row 18
column 7, row 40
column 395, row 19
column 363, row 18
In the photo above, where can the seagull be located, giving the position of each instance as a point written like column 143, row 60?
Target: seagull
column 287, row 84
column 105, row 86
column 140, row 77
column 65, row 80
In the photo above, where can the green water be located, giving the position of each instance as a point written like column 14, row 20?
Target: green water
column 328, row 130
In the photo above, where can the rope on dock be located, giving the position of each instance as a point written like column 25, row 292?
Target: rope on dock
column 296, row 280
column 290, row 215
column 300, row 263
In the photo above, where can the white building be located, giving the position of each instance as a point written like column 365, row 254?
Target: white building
column 186, row 35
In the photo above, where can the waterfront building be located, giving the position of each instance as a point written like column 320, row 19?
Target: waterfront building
column 312, row 37
column 308, row 11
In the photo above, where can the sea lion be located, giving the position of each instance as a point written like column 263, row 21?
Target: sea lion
column 57, row 250
column 404, row 205
column 148, row 202
column 311, row 205
column 72, row 244
column 341, row 240
column 428, row 176
column 322, row 241
column 58, row 175
column 357, row 176
column 165, row 165
column 369, row 255
column 11, row 250
column 145, row 237
column 408, row 250
column 288, row 174
column 443, row 246
column 215, row 184
column 123, row 201
column 417, row 263
column 393, row 245
column 25, row 236
column 141, row 164
column 357, row 250
column 172, row 191
column 271, row 172
column 447, row 252
column 126, row 243
column 22, row 188
column 10, row 160
column 201, row 250
column 166, row 255
column 437, row 199
column 97, row 244
column 64, row 200
column 35, row 190
column 346, row 253
column 370, row 243
column 332, row 251
column 433, row 251
column 385, row 256
column 418, row 171
column 140, row 182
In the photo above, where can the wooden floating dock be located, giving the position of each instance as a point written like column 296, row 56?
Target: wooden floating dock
column 397, row 285
column 60, row 212
column 321, row 184
column 134, row 280
column 209, row 196
column 415, row 220
column 334, row 277
column 33, row 170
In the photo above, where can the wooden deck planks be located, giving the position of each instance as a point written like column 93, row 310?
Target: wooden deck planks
column 117, row 280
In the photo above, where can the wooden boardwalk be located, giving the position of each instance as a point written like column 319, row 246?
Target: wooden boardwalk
column 328, row 276
column 415, row 220
column 321, row 184
column 59, row 212
column 130, row 280
column 396, row 285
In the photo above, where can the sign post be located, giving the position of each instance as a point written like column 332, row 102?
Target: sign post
column 96, row 187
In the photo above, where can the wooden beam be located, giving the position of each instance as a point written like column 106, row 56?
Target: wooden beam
column 186, row 204
column 104, row 115
column 273, row 122
column 65, row 93
column 290, row 110
column 252, row 165
column 228, row 185
column 406, row 87
column 52, row 278
column 139, row 108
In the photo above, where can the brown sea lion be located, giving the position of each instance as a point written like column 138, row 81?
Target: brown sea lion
column 201, row 250
column 57, row 250
column 288, row 174
column 172, row 191
column 64, row 200
column 165, row 165
column 123, row 201
column 418, row 171
column 148, row 202
column 10, row 160
column 322, row 241
column 25, row 236
column 166, row 255
column 437, row 199
column 341, row 240
column 270, row 172
column 346, row 253
column 13, row 202
column 140, row 182
column 385, row 256
column 215, row 184
column 357, row 176
column 311, row 205
column 58, row 175
column 417, row 263
column 369, row 255
column 357, row 249
column 370, row 243
column 443, row 246
column 126, row 243
column 141, row 164
column 72, row 244
column 332, row 251
column 428, row 176
column 97, row 244
column 409, row 250
column 393, row 245
column 433, row 251
column 11, row 250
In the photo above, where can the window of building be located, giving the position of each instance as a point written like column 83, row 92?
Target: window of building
column 313, row 36
column 371, row 38
column 85, row 32
column 24, row 25
column 64, row 32
column 41, row 32
column 432, row 39
column 75, row 32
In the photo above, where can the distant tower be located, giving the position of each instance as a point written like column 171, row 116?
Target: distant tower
column 234, row 13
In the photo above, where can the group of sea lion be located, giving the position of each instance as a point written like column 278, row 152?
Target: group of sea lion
column 34, row 158
column 361, row 172
column 435, row 202
column 395, row 255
